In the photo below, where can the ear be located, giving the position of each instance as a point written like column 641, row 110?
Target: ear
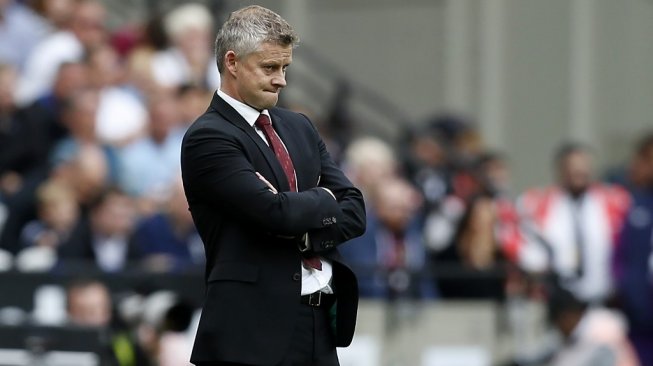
column 230, row 63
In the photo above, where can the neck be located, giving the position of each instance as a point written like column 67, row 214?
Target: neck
column 228, row 88
column 159, row 138
column 577, row 192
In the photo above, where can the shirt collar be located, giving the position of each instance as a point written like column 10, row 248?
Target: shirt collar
column 247, row 112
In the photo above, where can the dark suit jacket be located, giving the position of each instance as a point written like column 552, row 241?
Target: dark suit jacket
column 253, row 270
column 78, row 252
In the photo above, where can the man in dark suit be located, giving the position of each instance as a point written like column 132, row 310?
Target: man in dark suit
column 271, row 207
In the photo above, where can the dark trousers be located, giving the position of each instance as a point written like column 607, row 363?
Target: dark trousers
column 312, row 342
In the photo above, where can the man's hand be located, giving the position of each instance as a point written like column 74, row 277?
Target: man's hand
column 270, row 186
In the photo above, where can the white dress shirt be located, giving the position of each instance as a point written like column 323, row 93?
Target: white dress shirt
column 556, row 226
column 313, row 280
column 110, row 253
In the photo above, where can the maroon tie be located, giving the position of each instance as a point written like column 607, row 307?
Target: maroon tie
column 263, row 122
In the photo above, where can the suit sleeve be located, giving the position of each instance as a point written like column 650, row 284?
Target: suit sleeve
column 351, row 221
column 216, row 171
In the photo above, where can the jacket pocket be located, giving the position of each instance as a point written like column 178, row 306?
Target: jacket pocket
column 234, row 271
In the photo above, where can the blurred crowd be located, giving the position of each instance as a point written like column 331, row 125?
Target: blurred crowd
column 91, row 122
column 443, row 223
column 90, row 133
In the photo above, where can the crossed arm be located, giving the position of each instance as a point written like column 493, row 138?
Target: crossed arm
column 215, row 166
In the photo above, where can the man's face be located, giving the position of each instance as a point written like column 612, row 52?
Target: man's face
column 576, row 171
column 260, row 76
column 115, row 217
column 88, row 23
column 80, row 118
column 70, row 79
column 396, row 204
column 89, row 306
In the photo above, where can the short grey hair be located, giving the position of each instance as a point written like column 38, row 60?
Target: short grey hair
column 247, row 28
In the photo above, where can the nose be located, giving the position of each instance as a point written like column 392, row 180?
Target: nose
column 279, row 80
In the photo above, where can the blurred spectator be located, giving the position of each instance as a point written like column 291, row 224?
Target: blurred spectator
column 46, row 112
column 89, row 304
column 189, row 60
column 79, row 115
column 426, row 163
column 168, row 240
column 86, row 29
column 486, row 234
column 139, row 59
column 591, row 336
column 390, row 258
column 572, row 226
column 176, row 340
column 192, row 102
column 634, row 274
column 21, row 139
column 337, row 125
column 105, row 241
column 139, row 78
column 165, row 330
column 20, row 30
column 634, row 255
column 57, row 13
column 58, row 214
column 151, row 164
column 494, row 176
column 637, row 175
column 476, row 242
column 87, row 171
column 22, row 161
column 121, row 117
column 461, row 215
column 368, row 162
column 58, row 221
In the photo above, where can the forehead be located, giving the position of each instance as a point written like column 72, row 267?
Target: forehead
column 577, row 158
column 273, row 52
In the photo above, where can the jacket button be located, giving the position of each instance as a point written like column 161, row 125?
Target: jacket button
column 296, row 277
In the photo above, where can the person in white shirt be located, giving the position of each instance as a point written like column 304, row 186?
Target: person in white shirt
column 571, row 226
column 87, row 29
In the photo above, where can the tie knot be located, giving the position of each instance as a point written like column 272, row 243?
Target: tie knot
column 263, row 120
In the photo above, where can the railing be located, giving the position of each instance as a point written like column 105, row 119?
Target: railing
column 401, row 331
column 348, row 106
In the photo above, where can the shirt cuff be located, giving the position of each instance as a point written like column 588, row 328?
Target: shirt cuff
column 331, row 193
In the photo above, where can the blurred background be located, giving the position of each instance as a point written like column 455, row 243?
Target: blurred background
column 504, row 148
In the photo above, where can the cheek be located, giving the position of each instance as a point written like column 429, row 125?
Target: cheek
column 249, row 83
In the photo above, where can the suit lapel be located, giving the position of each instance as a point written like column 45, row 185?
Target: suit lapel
column 232, row 116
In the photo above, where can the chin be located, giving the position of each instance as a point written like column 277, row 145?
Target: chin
column 269, row 104
column 264, row 101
